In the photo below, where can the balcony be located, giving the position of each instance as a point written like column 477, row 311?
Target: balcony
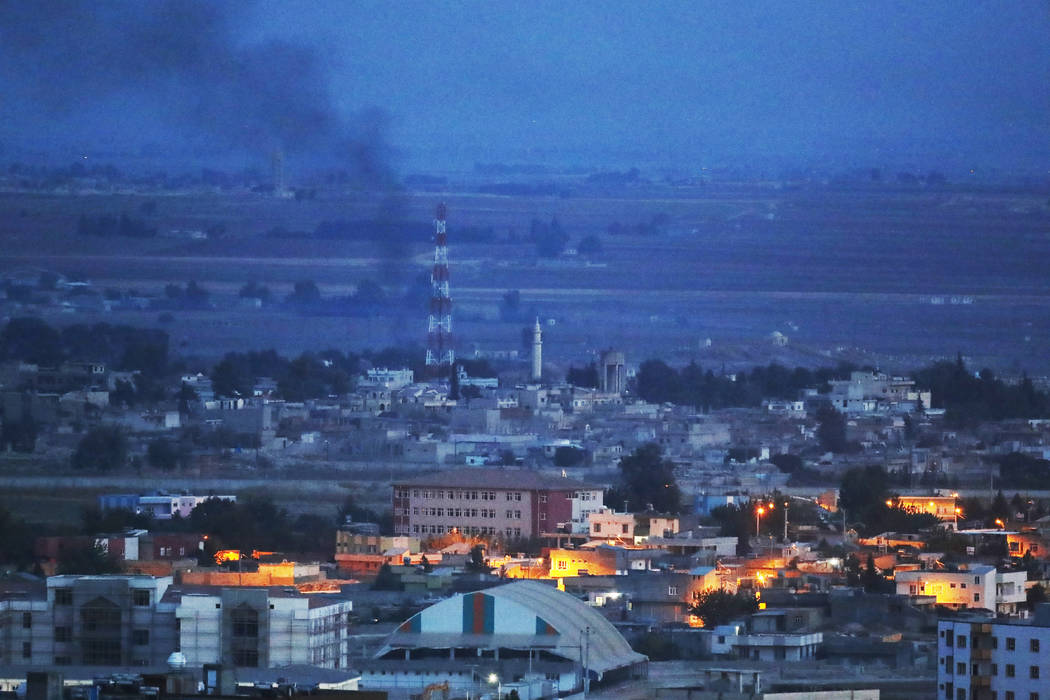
column 980, row 654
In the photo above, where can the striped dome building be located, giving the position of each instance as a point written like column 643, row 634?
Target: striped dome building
column 517, row 635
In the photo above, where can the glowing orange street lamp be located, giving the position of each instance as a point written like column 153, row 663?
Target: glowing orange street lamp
column 759, row 512
column 999, row 523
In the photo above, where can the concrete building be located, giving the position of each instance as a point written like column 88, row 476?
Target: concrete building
column 160, row 506
column 866, row 392
column 138, row 621
column 261, row 627
column 982, row 659
column 508, row 503
column 735, row 641
column 365, row 554
column 944, row 508
column 89, row 620
column 976, row 586
column 612, row 372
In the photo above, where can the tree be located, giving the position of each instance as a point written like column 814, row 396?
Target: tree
column 16, row 540
column 831, row 429
column 19, row 434
column 550, row 238
column 871, row 579
column 590, row 245
column 787, row 463
column 87, row 560
column 648, row 479
column 657, row 382
column 101, row 449
column 304, row 293
column 569, row 456
column 31, row 340
column 1035, row 596
column 254, row 290
column 386, row 580
column 164, row 454
column 586, row 377
column 510, row 305
column 476, row 564
column 233, row 376
column 718, row 607
column 196, row 295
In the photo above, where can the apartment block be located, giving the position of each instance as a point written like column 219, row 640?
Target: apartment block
column 1004, row 659
column 508, row 503
column 977, row 586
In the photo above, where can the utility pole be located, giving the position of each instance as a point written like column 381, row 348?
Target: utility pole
column 786, row 504
column 586, row 660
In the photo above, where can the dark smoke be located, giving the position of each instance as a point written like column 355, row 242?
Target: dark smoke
column 187, row 60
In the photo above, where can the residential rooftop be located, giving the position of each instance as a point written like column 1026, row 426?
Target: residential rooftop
column 523, row 479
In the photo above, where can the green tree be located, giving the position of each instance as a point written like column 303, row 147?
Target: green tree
column 510, row 305
column 87, row 560
column 718, row 607
column 587, row 377
column 233, row 376
column 476, row 564
column 16, row 540
column 164, row 454
column 569, row 456
column 386, row 580
column 254, row 290
column 590, row 245
column 831, row 429
column 102, row 449
column 305, row 292
column 19, row 434
column 550, row 239
column 871, row 579
column 31, row 340
column 648, row 480
column 1035, row 596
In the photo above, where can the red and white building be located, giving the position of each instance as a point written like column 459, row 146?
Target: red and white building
column 508, row 503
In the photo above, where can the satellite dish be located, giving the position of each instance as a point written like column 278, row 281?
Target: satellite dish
column 176, row 661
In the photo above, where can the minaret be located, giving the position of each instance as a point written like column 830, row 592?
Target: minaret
column 537, row 351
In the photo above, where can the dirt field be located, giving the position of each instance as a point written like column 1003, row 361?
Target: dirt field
column 905, row 274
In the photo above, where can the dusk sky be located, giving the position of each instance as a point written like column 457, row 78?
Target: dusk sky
column 893, row 84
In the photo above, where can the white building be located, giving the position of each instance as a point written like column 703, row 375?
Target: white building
column 262, row 627
column 138, row 620
column 609, row 525
column 165, row 506
column 1002, row 659
column 976, row 586
column 733, row 640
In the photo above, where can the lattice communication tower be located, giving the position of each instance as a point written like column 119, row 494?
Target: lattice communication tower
column 440, row 354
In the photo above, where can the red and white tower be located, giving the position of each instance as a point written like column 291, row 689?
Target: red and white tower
column 439, row 323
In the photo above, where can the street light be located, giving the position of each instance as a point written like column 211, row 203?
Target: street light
column 1000, row 523
column 495, row 680
column 759, row 512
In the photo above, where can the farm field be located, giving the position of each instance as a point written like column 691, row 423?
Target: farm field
column 903, row 274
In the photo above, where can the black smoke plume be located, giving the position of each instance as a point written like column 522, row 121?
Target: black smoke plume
column 189, row 60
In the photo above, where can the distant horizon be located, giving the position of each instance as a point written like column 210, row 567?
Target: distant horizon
column 424, row 87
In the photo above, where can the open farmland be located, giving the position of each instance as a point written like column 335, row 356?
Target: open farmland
column 904, row 273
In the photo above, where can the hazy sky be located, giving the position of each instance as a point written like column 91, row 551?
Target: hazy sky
column 880, row 83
